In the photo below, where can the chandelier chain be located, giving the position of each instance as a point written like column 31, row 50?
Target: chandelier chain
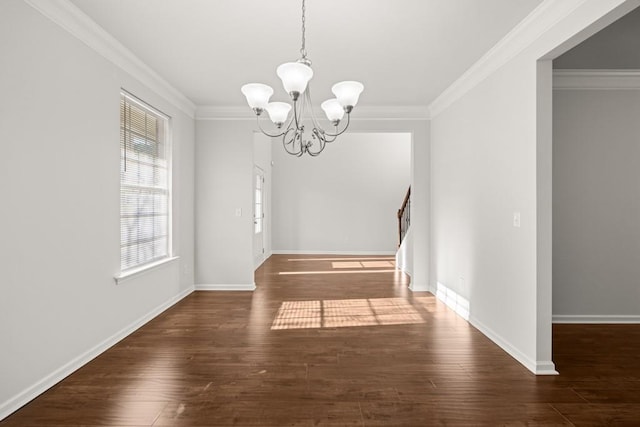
column 303, row 50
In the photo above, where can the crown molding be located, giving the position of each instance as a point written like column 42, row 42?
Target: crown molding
column 532, row 27
column 77, row 23
column 212, row 112
column 596, row 79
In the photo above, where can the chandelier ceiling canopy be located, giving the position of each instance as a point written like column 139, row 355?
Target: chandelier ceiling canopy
column 295, row 78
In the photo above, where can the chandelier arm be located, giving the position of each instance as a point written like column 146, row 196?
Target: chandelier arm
column 290, row 142
column 309, row 103
column 338, row 133
column 267, row 133
column 288, row 126
column 321, row 143
column 297, row 115
column 331, row 139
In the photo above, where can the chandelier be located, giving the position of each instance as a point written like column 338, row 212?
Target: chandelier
column 295, row 77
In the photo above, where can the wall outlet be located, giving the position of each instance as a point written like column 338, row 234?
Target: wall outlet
column 238, row 211
column 516, row 219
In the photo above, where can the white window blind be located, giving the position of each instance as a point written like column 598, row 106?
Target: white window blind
column 144, row 184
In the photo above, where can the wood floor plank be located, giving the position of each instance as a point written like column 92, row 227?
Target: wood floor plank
column 587, row 415
column 339, row 349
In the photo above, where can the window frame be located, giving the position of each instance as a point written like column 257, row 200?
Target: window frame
column 135, row 270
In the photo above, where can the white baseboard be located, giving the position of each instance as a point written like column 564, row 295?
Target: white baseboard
column 596, row 319
column 537, row 367
column 545, row 368
column 419, row 287
column 305, row 252
column 456, row 302
column 226, row 287
column 10, row 406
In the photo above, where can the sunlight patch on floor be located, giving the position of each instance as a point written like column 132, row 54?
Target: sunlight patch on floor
column 292, row 273
column 343, row 259
column 349, row 313
column 363, row 264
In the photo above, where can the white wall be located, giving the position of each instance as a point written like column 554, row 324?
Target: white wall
column 343, row 201
column 60, row 244
column 224, row 182
column 404, row 256
column 596, row 208
column 491, row 159
column 482, row 173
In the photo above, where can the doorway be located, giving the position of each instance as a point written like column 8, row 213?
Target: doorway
column 258, row 215
column 568, row 67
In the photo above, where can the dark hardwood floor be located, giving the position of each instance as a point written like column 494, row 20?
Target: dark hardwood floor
column 338, row 341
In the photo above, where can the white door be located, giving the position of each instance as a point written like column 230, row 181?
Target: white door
column 258, row 216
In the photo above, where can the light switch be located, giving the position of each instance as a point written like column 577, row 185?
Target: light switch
column 238, row 211
column 516, row 219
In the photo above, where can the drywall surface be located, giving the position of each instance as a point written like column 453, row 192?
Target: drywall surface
column 596, row 184
column 404, row 257
column 484, row 171
column 346, row 199
column 224, row 202
column 487, row 150
column 60, row 185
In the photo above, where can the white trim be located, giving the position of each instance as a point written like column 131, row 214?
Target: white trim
column 596, row 79
column 545, row 367
column 226, row 287
column 418, row 287
column 30, row 393
column 135, row 272
column 406, row 112
column 597, row 319
column 305, row 252
column 532, row 27
column 69, row 17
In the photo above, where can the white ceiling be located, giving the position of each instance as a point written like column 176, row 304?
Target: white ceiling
column 406, row 52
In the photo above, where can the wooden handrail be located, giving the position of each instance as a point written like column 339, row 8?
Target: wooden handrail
column 404, row 216
column 404, row 202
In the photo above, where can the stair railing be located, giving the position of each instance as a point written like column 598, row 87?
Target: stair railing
column 404, row 216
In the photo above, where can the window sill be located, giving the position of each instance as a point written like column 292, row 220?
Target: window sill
column 135, row 272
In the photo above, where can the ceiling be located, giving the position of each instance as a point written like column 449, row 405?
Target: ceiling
column 614, row 47
column 406, row 52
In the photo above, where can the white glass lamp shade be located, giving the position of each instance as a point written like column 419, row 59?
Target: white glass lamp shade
column 257, row 95
column 295, row 76
column 333, row 109
column 347, row 92
column 278, row 112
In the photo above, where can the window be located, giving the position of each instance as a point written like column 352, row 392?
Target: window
column 258, row 214
column 144, row 184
